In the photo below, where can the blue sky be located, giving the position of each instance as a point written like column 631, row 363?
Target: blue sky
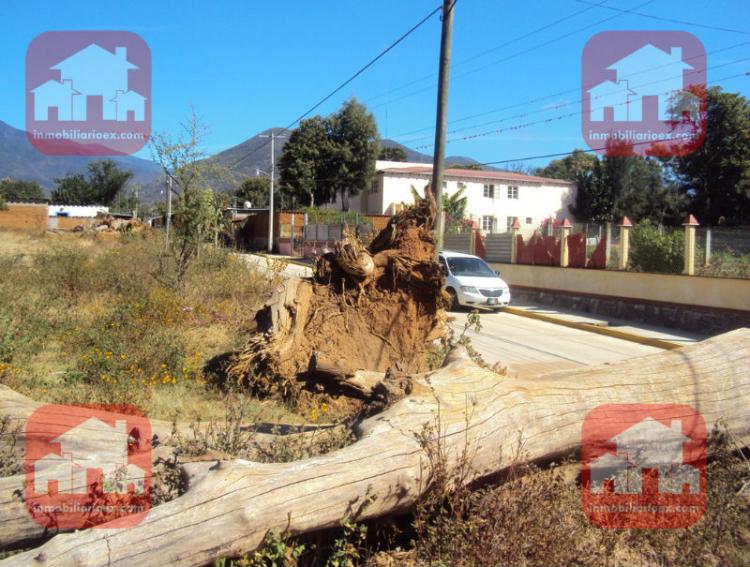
column 249, row 65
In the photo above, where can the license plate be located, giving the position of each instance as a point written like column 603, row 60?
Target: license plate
column 492, row 301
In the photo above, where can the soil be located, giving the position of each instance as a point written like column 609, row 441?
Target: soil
column 366, row 308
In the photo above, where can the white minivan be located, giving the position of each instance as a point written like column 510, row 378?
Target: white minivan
column 472, row 283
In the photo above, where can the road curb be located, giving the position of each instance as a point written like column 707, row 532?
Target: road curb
column 287, row 260
column 591, row 328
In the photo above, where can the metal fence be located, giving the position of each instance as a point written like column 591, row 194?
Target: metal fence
column 498, row 247
column 458, row 242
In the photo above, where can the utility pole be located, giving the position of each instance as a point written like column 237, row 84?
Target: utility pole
column 169, row 212
column 438, row 164
column 273, row 137
column 137, row 203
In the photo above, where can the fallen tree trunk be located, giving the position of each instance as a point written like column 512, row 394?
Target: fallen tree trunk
column 18, row 528
column 466, row 412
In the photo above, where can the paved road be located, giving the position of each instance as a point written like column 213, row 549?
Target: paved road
column 529, row 347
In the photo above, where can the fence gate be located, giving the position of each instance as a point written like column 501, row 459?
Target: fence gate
column 458, row 242
column 498, row 247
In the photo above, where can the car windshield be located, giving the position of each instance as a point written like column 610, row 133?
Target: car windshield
column 470, row 267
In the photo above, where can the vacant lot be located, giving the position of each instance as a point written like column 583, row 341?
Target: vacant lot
column 83, row 320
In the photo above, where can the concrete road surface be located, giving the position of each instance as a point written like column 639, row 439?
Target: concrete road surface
column 531, row 347
column 527, row 346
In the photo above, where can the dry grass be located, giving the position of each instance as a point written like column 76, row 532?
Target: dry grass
column 83, row 320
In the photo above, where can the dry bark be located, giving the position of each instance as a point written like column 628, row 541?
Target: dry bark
column 468, row 412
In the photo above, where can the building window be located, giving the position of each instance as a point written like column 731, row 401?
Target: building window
column 489, row 191
column 488, row 224
column 512, row 192
column 374, row 186
column 529, row 220
column 510, row 221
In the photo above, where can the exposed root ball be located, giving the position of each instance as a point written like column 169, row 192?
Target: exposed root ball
column 365, row 308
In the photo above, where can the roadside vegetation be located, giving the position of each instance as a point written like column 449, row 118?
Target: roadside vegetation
column 532, row 517
column 87, row 321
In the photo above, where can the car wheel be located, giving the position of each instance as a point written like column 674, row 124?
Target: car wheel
column 454, row 300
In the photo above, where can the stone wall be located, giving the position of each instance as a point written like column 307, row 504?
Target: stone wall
column 702, row 320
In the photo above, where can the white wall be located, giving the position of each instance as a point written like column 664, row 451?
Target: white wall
column 535, row 200
column 76, row 210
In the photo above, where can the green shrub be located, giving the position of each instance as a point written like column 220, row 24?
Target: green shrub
column 656, row 250
column 727, row 264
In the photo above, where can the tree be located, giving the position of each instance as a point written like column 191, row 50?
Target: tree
column 303, row 162
column 574, row 167
column 393, row 153
column 455, row 205
column 18, row 190
column 619, row 184
column 105, row 180
column 72, row 190
column 469, row 166
column 325, row 157
column 716, row 176
column 255, row 190
column 198, row 210
column 593, row 200
column 643, row 194
column 356, row 145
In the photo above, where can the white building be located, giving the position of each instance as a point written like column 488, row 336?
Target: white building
column 494, row 198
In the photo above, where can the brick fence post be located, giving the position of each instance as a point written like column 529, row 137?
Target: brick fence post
column 515, row 230
column 625, row 226
column 690, row 225
column 564, row 233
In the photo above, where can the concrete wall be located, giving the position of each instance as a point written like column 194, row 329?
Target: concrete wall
column 696, row 303
column 69, row 223
column 24, row 216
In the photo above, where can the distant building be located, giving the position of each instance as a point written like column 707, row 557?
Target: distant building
column 494, row 198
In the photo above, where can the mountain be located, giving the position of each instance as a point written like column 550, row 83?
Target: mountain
column 20, row 160
column 413, row 155
column 253, row 156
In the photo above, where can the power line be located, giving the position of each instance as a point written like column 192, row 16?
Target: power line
column 513, row 56
column 576, row 113
column 545, row 97
column 562, row 105
column 490, row 50
column 346, row 82
column 662, row 19
column 561, row 154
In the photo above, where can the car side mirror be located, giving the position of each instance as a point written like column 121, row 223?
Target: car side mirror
column 497, row 273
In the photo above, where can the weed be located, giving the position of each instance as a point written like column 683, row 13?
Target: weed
column 10, row 463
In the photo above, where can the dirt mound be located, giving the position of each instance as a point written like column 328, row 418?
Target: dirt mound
column 375, row 308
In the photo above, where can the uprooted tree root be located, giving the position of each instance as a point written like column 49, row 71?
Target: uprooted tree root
column 365, row 319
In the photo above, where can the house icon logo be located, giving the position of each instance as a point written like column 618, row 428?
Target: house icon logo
column 644, row 92
column 87, row 466
column 644, row 466
column 88, row 93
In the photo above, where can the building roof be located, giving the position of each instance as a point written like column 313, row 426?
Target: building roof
column 476, row 174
